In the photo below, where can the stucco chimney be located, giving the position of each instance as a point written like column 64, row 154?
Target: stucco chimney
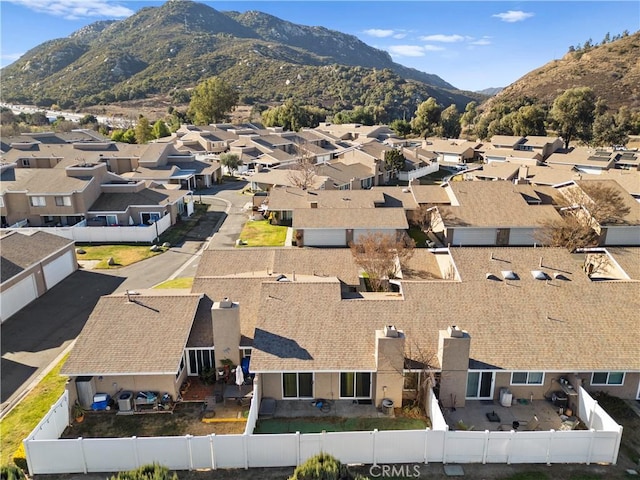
column 453, row 353
column 389, row 355
column 225, row 319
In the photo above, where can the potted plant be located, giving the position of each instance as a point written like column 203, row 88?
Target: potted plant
column 78, row 412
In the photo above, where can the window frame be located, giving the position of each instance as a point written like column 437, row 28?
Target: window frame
column 355, row 395
column 297, row 383
column 62, row 201
column 37, row 201
column 527, row 379
column 607, row 383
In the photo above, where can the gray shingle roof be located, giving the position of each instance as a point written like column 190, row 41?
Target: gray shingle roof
column 360, row 218
column 144, row 336
column 18, row 252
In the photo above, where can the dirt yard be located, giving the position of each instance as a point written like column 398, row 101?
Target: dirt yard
column 186, row 419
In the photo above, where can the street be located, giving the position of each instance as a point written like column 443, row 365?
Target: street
column 38, row 334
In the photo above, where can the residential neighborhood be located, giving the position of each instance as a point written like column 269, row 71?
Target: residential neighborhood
column 319, row 240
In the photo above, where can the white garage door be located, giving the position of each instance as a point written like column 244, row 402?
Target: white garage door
column 325, row 237
column 16, row 297
column 522, row 236
column 58, row 270
column 623, row 236
column 473, row 236
column 450, row 157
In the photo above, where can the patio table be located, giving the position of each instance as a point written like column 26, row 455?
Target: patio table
column 237, row 392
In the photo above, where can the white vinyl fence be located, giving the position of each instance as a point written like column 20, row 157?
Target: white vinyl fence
column 113, row 234
column 418, row 172
column 47, row 454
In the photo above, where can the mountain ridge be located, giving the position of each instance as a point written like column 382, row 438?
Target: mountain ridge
column 160, row 50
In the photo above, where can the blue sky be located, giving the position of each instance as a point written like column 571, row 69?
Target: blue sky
column 472, row 45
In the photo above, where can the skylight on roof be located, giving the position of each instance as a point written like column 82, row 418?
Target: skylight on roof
column 509, row 275
column 539, row 275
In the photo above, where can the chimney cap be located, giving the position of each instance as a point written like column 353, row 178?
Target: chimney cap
column 391, row 331
column 455, row 331
column 226, row 303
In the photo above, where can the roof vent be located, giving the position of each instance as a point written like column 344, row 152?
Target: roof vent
column 560, row 276
column 390, row 331
column 491, row 276
column 282, row 278
column 455, row 331
column 313, row 204
column 539, row 275
column 509, row 275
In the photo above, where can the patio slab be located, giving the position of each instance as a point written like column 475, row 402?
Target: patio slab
column 476, row 414
column 339, row 408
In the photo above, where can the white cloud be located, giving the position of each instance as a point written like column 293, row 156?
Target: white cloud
column 75, row 9
column 482, row 41
column 399, row 36
column 442, row 38
column 407, row 50
column 513, row 16
column 433, row 48
column 379, row 33
column 7, row 58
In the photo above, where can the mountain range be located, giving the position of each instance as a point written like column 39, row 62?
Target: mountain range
column 166, row 49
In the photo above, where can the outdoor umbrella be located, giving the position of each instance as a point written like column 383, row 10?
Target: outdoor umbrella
column 239, row 376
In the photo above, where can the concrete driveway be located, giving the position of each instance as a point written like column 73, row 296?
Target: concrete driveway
column 37, row 335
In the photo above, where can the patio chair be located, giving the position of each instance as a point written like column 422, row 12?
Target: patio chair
column 525, row 426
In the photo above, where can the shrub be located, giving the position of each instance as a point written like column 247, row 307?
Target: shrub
column 322, row 467
column 147, row 472
column 20, row 458
column 11, row 472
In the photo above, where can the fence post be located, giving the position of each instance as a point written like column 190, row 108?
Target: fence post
column 485, row 451
column 445, row 434
column 134, row 439
column 297, row 448
column 551, row 437
column 591, row 436
column 25, row 443
column 375, row 433
column 426, row 450
column 212, row 450
column 616, row 449
column 245, row 449
column 593, row 413
column 84, row 457
column 189, row 451
column 510, row 447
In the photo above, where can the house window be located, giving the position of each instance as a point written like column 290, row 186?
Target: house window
column 607, row 378
column 63, row 201
column 527, row 378
column 200, row 359
column 297, row 385
column 25, row 162
column 37, row 201
column 355, row 385
column 112, row 220
column 245, row 353
column 411, row 381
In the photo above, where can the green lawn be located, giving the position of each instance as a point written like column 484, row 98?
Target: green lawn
column 262, row 234
column 26, row 415
column 337, row 424
column 123, row 255
column 418, row 236
column 182, row 282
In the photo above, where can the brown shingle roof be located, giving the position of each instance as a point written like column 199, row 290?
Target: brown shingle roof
column 119, row 202
column 146, row 335
column 369, row 218
column 526, row 324
column 493, row 204
column 20, row 251
column 430, row 194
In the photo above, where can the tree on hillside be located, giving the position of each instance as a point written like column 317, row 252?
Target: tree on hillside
column 450, row 122
column 160, row 129
column 394, row 161
column 293, row 116
column 529, row 120
column 401, row 127
column 425, row 121
column 88, row 119
column 381, row 256
column 143, row 130
column 584, row 208
column 211, row 100
column 572, row 114
column 468, row 118
column 129, row 136
column 231, row 162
